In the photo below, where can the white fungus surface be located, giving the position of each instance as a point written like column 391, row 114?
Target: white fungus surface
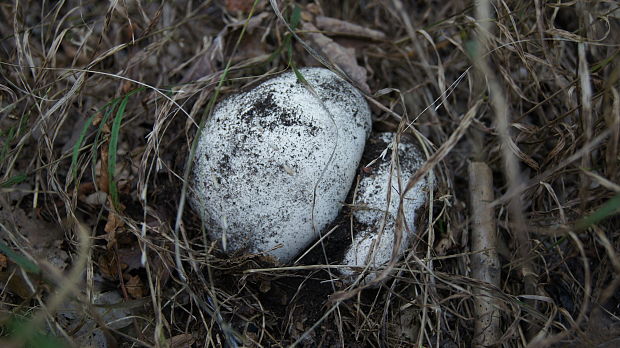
column 371, row 245
column 262, row 153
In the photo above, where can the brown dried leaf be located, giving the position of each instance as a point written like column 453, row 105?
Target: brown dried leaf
column 103, row 180
column 255, row 22
column 44, row 239
column 338, row 55
column 251, row 47
column 339, row 26
column 239, row 5
column 134, row 287
column 95, row 199
column 85, row 189
column 265, row 286
column 127, row 86
column 307, row 16
column 129, row 259
column 12, row 280
column 87, row 193
column 108, row 266
column 443, row 246
column 182, row 341
column 111, row 228
column 98, row 118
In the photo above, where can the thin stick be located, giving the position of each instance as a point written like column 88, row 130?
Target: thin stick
column 512, row 171
column 484, row 260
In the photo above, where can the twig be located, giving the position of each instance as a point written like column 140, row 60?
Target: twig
column 485, row 261
column 512, row 171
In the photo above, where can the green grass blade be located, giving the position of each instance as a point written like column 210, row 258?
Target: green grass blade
column 20, row 260
column 299, row 76
column 606, row 210
column 288, row 43
column 294, row 22
column 108, row 108
column 78, row 144
column 6, row 142
column 21, row 330
column 7, row 137
column 104, row 120
column 605, row 62
column 13, row 180
column 116, row 127
column 295, row 17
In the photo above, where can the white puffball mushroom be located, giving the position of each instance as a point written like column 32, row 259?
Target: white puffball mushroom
column 263, row 152
column 371, row 245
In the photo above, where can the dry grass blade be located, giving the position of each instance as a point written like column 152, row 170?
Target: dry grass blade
column 586, row 117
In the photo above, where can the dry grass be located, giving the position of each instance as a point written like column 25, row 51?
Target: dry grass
column 100, row 103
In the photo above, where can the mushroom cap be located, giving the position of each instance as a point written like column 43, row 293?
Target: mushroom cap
column 274, row 164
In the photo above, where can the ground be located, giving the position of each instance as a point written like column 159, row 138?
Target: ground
column 516, row 104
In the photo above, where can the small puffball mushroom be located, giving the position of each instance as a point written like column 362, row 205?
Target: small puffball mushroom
column 274, row 164
column 373, row 243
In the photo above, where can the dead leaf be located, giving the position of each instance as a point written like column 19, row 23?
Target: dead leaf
column 123, row 260
column 443, row 246
column 253, row 23
column 87, row 193
column 98, row 118
column 182, row 341
column 129, row 259
column 338, row 55
column 103, row 181
column 127, row 86
column 251, row 47
column 134, row 287
column 111, row 227
column 11, row 279
column 239, row 5
column 3, row 262
column 86, row 188
column 108, row 266
column 339, row 26
column 43, row 239
column 95, row 199
column 265, row 286
column 307, row 16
